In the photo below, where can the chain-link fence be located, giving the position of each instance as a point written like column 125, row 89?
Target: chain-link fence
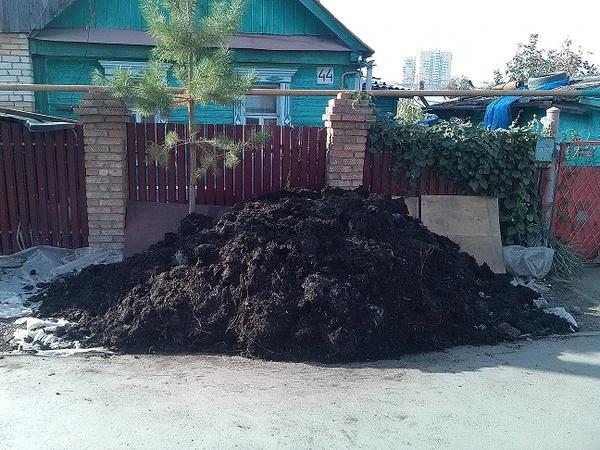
column 576, row 218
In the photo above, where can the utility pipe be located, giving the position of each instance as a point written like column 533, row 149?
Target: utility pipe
column 331, row 93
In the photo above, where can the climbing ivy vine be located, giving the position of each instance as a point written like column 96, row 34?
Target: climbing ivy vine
column 498, row 163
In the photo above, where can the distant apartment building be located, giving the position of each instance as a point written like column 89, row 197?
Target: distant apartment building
column 409, row 73
column 434, row 69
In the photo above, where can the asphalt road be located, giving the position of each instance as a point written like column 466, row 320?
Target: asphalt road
column 532, row 395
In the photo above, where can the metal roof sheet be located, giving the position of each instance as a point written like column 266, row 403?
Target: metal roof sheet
column 241, row 41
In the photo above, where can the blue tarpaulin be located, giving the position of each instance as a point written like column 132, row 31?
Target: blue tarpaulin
column 497, row 113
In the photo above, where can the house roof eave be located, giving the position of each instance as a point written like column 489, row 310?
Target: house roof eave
column 337, row 27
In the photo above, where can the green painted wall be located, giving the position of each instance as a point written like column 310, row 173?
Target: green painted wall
column 63, row 71
column 261, row 16
column 123, row 14
column 68, row 63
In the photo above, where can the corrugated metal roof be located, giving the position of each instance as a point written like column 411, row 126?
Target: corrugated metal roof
column 480, row 103
column 35, row 122
column 242, row 41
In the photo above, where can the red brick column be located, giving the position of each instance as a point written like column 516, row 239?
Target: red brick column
column 105, row 137
column 348, row 121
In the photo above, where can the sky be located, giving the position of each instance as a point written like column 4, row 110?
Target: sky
column 481, row 36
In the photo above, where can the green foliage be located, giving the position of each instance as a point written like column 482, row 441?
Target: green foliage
column 409, row 111
column 565, row 264
column 498, row 163
column 194, row 44
column 532, row 61
column 459, row 83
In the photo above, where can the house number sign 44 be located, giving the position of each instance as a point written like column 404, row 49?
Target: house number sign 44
column 324, row 75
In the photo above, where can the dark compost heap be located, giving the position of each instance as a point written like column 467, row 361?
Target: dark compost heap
column 304, row 275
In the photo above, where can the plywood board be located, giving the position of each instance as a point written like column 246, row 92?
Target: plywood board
column 470, row 221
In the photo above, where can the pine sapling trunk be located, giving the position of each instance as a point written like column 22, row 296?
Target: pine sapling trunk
column 193, row 154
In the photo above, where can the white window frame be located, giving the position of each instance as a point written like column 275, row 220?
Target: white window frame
column 136, row 68
column 281, row 78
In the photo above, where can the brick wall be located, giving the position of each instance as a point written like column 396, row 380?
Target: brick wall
column 16, row 67
column 104, row 118
column 348, row 122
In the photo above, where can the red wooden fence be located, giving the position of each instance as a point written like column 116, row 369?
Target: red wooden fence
column 379, row 178
column 293, row 158
column 42, row 188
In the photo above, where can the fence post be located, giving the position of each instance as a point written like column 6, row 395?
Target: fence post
column 104, row 120
column 548, row 184
column 348, row 121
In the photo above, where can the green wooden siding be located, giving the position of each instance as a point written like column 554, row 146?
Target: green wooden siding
column 63, row 71
column 73, row 63
column 122, row 14
column 261, row 16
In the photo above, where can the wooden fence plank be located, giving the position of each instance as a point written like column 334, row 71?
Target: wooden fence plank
column 11, row 187
column 210, row 177
column 141, row 162
column 322, row 164
column 303, row 142
column 31, row 186
column 239, row 169
column 171, row 177
column 161, row 171
column 152, row 178
column 295, row 157
column 220, row 174
column 229, row 172
column 132, row 170
column 50, row 153
column 277, row 183
column 80, row 159
column 248, row 165
column 74, row 197
column 257, row 171
column 5, row 240
column 286, row 176
column 62, row 184
column 385, row 173
column 182, row 164
column 42, row 187
column 267, row 172
column 313, row 155
column 21, row 187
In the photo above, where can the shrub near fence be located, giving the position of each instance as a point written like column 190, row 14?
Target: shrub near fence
column 42, row 188
column 456, row 158
column 293, row 158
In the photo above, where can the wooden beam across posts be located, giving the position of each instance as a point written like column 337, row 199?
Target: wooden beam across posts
column 332, row 93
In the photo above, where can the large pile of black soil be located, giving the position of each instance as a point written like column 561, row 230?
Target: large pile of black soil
column 330, row 276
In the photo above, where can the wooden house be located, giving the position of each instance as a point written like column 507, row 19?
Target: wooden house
column 291, row 44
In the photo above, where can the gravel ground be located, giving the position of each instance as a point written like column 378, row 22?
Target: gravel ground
column 7, row 328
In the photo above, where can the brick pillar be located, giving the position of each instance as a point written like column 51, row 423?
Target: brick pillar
column 16, row 67
column 348, row 122
column 105, row 138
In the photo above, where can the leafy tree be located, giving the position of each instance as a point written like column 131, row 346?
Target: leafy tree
column 497, row 79
column 459, row 83
column 194, row 43
column 532, row 61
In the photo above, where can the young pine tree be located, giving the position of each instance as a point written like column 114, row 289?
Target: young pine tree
column 193, row 43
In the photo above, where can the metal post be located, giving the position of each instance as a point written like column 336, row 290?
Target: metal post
column 548, row 186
